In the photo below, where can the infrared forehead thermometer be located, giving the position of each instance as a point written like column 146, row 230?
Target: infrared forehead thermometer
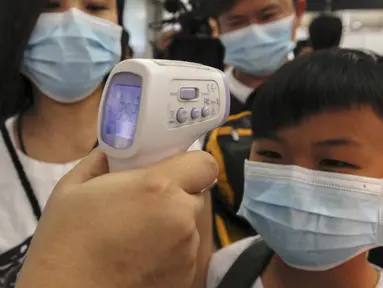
column 154, row 109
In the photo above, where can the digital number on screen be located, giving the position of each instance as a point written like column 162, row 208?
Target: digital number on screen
column 122, row 110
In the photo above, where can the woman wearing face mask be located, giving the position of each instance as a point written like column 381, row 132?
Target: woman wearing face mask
column 55, row 63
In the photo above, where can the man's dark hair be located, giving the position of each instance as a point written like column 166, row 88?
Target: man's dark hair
column 131, row 51
column 301, row 45
column 325, row 32
column 334, row 79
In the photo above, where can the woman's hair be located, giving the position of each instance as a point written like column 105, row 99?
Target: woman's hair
column 328, row 80
column 17, row 21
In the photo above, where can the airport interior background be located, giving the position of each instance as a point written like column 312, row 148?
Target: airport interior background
column 363, row 22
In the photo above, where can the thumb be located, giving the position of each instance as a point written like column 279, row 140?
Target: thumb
column 92, row 166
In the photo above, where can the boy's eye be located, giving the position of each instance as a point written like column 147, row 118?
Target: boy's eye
column 238, row 23
column 95, row 7
column 267, row 17
column 332, row 163
column 269, row 154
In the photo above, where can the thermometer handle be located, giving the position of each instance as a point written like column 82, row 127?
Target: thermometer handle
column 116, row 165
column 144, row 159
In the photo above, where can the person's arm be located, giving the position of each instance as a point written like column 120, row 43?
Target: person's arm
column 205, row 229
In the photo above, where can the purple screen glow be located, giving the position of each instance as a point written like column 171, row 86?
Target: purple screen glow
column 121, row 111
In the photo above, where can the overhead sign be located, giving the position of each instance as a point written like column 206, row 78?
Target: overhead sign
column 320, row 5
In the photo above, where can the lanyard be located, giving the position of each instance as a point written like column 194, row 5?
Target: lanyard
column 19, row 167
column 21, row 173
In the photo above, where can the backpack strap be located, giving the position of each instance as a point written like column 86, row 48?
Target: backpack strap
column 248, row 267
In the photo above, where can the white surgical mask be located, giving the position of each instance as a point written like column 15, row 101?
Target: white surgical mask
column 313, row 220
column 70, row 53
column 259, row 50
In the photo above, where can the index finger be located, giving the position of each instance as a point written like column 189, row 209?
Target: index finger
column 191, row 171
column 92, row 166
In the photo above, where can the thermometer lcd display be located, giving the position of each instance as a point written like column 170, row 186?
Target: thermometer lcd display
column 121, row 115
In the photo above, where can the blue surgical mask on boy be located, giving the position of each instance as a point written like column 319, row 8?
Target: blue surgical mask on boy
column 259, row 50
column 70, row 53
column 313, row 220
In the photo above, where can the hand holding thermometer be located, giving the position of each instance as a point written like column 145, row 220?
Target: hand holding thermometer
column 154, row 109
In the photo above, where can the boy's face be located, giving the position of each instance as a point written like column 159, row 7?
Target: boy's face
column 347, row 141
column 248, row 12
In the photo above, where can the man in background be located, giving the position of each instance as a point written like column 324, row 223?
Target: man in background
column 128, row 50
column 325, row 32
column 258, row 36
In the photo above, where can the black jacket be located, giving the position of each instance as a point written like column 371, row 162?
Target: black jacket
column 237, row 106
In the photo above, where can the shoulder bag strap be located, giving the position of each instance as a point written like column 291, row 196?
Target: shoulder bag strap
column 248, row 267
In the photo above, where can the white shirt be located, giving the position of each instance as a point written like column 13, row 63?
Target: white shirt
column 17, row 221
column 238, row 89
column 225, row 258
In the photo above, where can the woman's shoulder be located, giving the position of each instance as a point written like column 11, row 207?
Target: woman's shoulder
column 223, row 259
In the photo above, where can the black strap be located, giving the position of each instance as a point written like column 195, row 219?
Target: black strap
column 21, row 173
column 19, row 129
column 248, row 267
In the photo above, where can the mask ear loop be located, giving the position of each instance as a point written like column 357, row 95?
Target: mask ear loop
column 290, row 56
column 380, row 222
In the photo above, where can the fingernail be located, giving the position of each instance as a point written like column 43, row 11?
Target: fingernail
column 210, row 186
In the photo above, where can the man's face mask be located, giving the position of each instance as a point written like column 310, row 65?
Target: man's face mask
column 259, row 50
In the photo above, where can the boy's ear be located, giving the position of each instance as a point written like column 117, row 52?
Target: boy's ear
column 253, row 153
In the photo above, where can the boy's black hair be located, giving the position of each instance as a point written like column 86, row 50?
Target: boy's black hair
column 335, row 79
column 325, row 32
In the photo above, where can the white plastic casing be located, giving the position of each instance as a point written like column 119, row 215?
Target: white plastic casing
column 158, row 133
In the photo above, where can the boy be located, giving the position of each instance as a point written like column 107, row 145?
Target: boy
column 313, row 187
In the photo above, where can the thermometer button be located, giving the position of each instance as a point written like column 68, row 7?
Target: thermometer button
column 188, row 94
column 205, row 111
column 195, row 113
column 182, row 115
